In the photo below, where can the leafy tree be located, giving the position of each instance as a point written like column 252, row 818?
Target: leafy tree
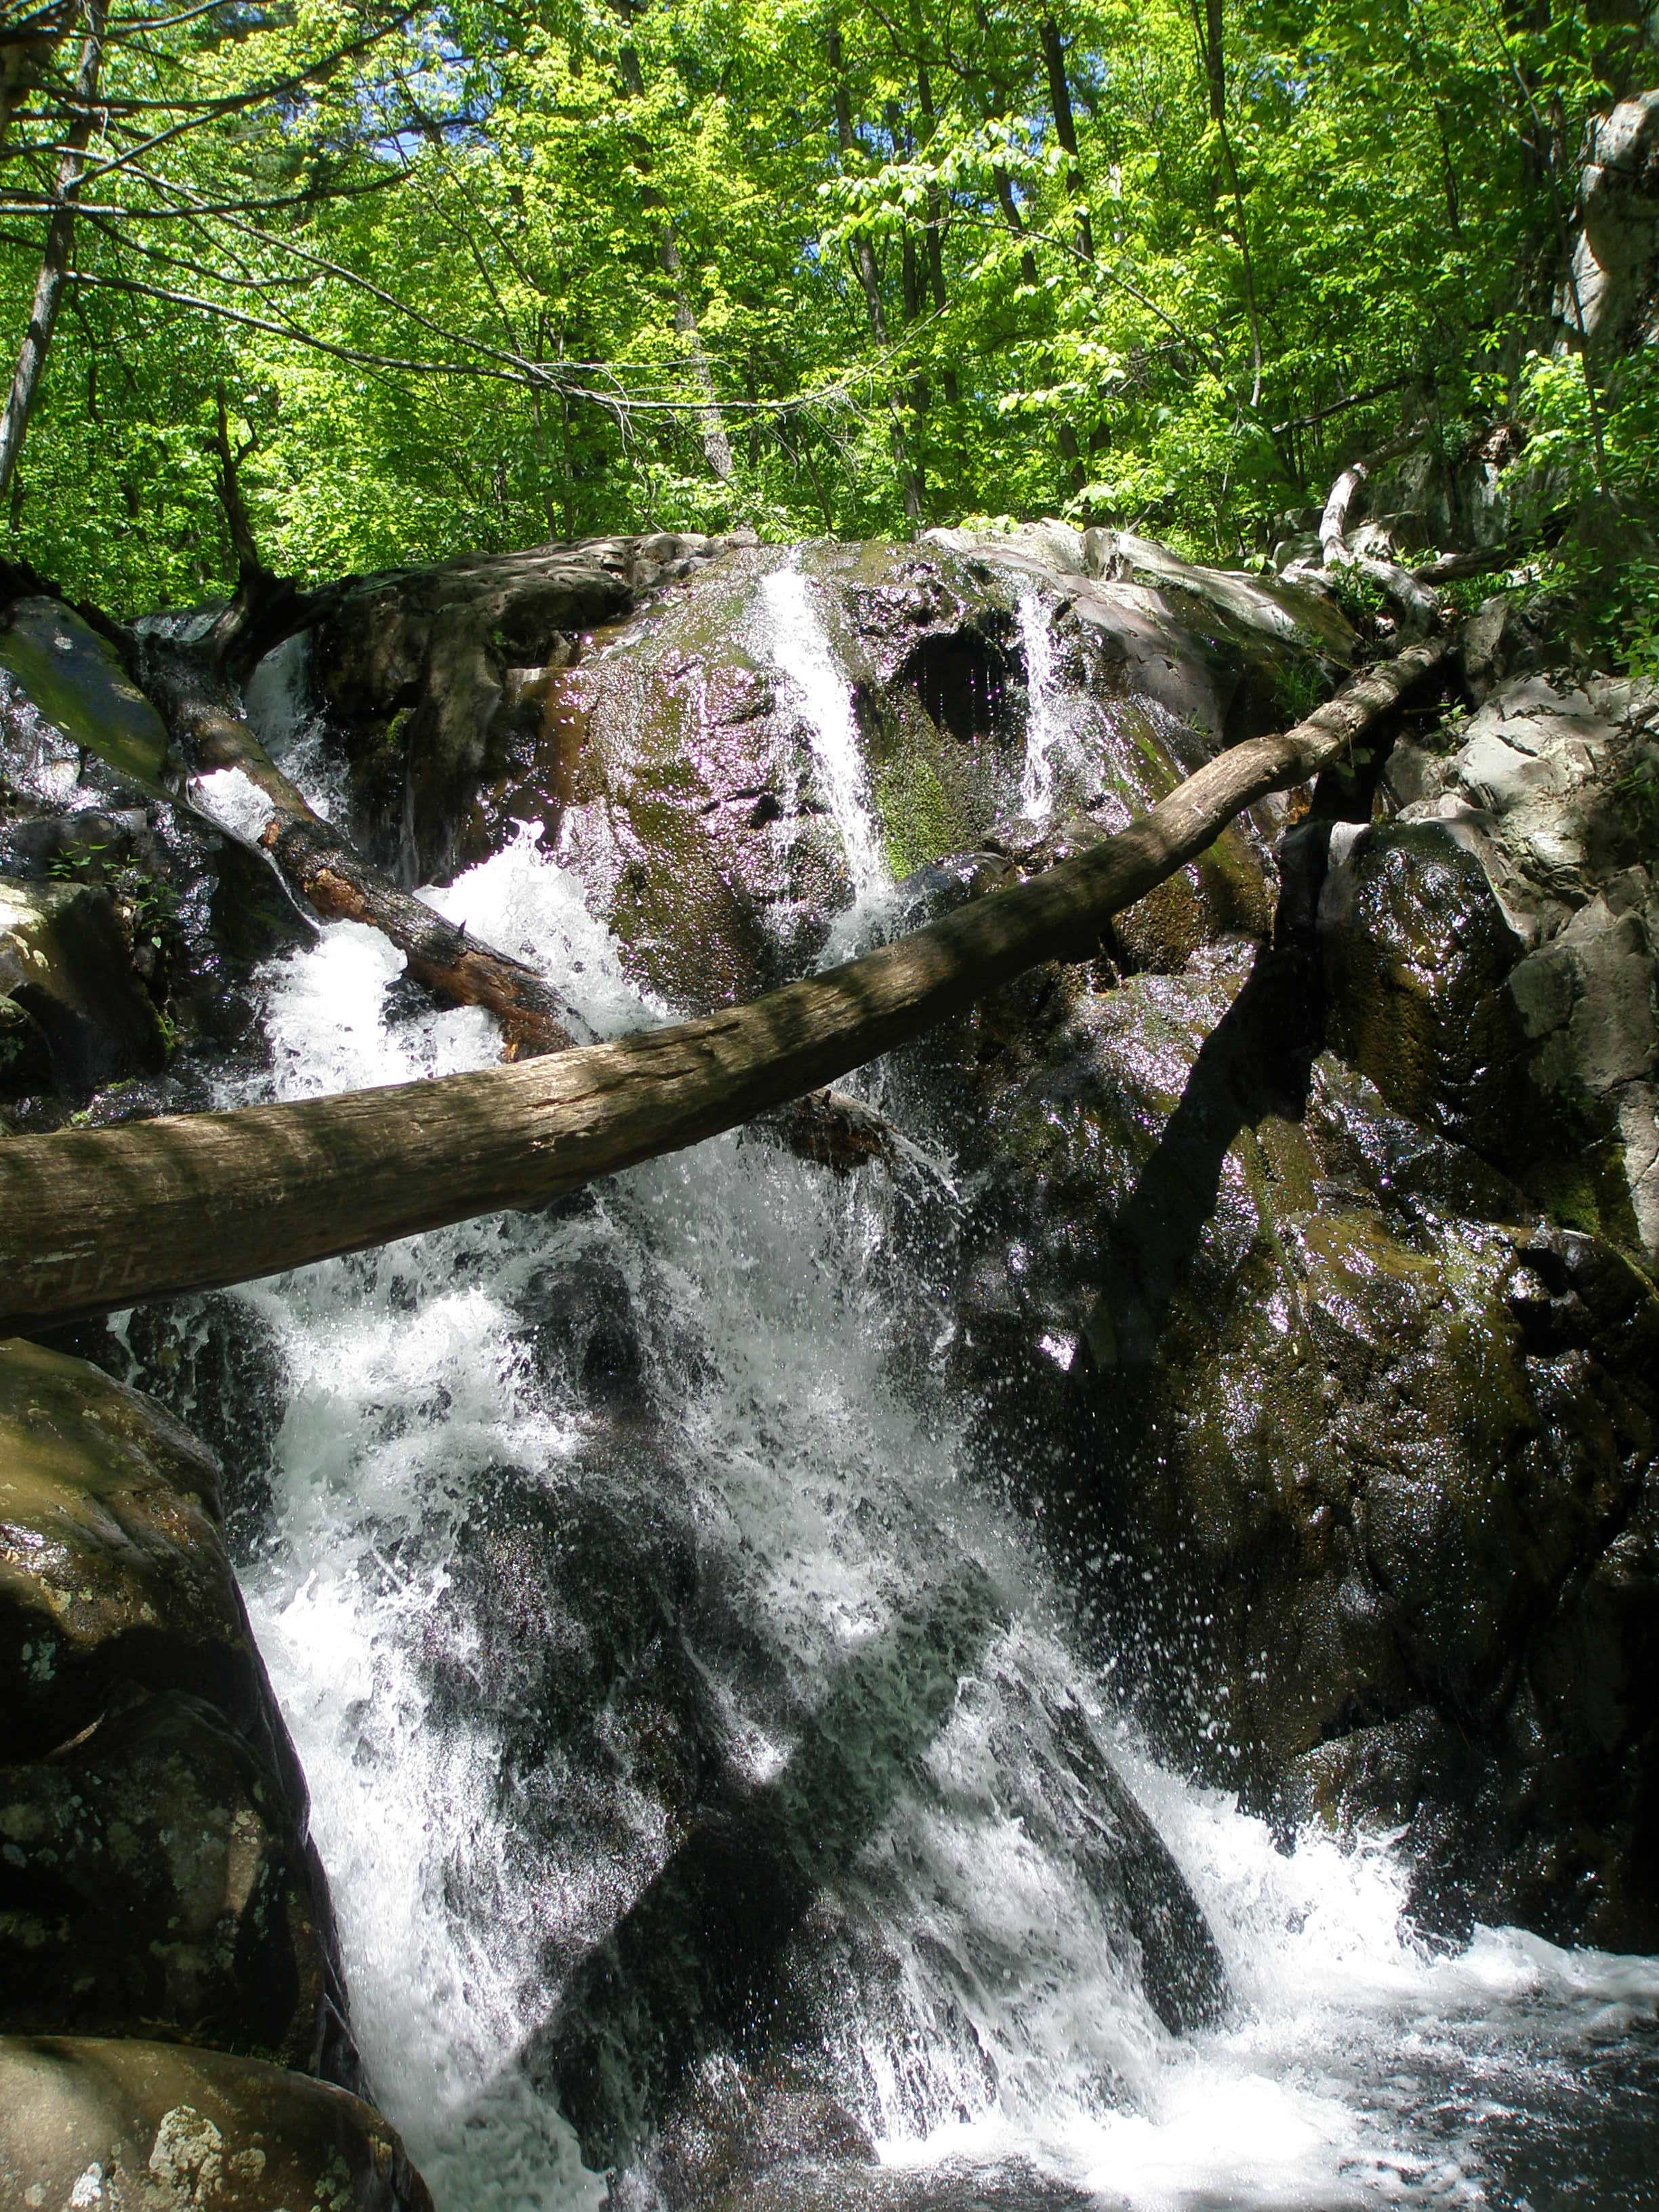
column 481, row 273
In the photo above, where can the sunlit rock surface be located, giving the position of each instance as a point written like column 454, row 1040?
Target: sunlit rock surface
column 132, row 2126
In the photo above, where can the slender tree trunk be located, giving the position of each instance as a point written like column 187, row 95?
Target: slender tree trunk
column 935, row 233
column 1211, row 45
column 1065, row 435
column 864, row 254
column 60, row 240
column 864, row 260
column 1059, row 95
column 95, row 1219
column 716, row 446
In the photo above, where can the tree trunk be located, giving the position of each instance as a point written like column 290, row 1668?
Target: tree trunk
column 95, row 1219
column 716, row 446
column 935, row 202
column 1211, row 45
column 1059, row 95
column 864, row 260
column 55, row 259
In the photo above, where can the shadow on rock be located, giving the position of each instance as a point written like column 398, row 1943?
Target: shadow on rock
column 687, row 1966
column 1257, row 1061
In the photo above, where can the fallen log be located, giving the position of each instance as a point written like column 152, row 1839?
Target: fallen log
column 234, row 784
column 231, row 782
column 93, row 1220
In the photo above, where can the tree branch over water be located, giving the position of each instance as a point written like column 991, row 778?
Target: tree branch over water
column 93, row 1220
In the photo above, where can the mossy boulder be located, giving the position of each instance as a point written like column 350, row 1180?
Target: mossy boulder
column 133, row 2126
column 1334, row 1431
column 76, row 678
column 155, row 1869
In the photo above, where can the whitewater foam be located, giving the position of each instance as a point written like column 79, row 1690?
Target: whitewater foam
column 990, row 2015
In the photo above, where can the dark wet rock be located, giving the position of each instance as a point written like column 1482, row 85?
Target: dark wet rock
column 153, row 1876
column 215, row 1363
column 132, row 2126
column 1319, row 1413
column 584, row 1334
column 67, row 961
column 739, row 2133
column 127, row 1657
column 428, row 674
column 1415, row 951
column 696, row 1958
column 161, row 920
column 25, row 1055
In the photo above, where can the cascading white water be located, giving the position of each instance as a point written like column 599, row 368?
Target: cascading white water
column 1043, row 731
column 793, row 639
column 987, row 2011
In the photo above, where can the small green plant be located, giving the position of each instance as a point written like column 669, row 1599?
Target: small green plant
column 75, row 861
column 152, row 901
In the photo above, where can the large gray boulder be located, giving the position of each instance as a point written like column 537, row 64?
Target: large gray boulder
column 1551, row 794
column 1618, row 242
column 133, row 2126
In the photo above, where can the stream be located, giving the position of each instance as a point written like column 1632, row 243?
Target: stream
column 586, row 1522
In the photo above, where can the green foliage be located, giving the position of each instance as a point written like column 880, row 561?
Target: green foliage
column 478, row 283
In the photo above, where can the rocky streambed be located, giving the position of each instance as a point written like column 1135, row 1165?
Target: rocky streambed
column 776, row 1656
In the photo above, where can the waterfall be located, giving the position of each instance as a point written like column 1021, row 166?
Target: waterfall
column 1043, row 729
column 794, row 640
column 568, row 1506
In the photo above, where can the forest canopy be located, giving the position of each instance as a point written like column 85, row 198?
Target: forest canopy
column 359, row 284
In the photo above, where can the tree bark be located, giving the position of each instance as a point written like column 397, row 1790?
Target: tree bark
column 92, row 1220
column 55, row 259
column 864, row 260
column 1410, row 592
column 716, row 446
column 935, row 245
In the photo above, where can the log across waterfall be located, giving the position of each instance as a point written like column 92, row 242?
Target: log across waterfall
column 94, row 1220
column 236, row 785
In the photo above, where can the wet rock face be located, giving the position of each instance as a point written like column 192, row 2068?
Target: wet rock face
column 154, row 1873
column 1550, row 792
column 154, row 1867
column 1343, row 1440
column 67, row 966
column 1416, row 951
column 131, row 2126
column 126, row 930
column 680, row 758
column 425, row 672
